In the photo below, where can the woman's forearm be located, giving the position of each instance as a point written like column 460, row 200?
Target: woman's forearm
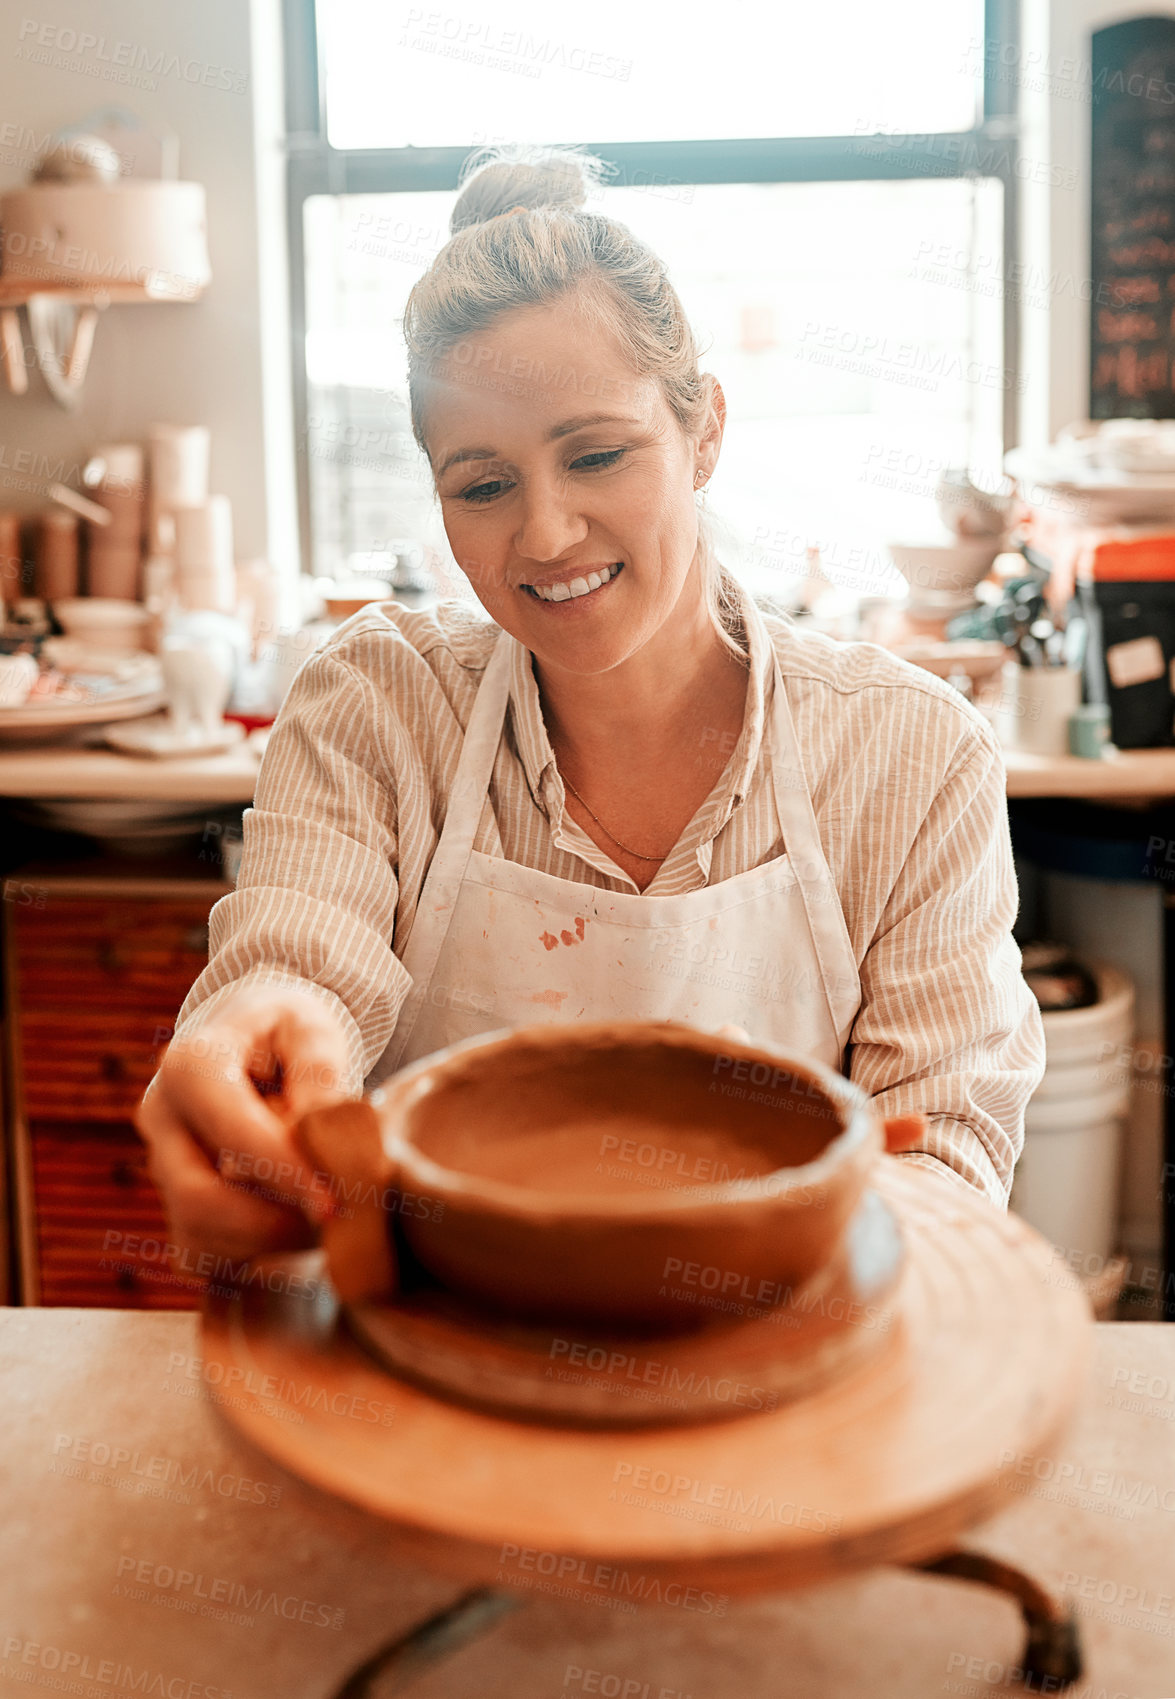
column 315, row 903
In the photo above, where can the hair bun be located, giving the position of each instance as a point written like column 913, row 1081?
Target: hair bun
column 497, row 180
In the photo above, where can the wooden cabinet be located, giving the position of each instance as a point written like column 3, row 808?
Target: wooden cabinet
column 96, row 968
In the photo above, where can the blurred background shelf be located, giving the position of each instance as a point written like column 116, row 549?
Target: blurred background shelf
column 16, row 291
column 1136, row 774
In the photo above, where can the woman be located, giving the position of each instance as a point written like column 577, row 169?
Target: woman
column 626, row 793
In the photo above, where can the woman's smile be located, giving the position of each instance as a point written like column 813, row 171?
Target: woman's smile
column 576, row 584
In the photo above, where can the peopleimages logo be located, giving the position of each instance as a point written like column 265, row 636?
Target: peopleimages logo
column 648, row 1371
column 583, row 1577
column 82, row 1452
column 687, row 1494
column 119, row 61
column 196, row 1588
column 107, row 1672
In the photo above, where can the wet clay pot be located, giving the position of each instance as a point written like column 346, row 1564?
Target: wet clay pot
column 632, row 1174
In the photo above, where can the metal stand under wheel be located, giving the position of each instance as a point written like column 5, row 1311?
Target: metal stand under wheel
column 1051, row 1661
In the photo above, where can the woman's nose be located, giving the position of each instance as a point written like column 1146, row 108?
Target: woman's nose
column 549, row 525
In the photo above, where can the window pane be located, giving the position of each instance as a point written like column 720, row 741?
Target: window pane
column 856, row 329
column 402, row 75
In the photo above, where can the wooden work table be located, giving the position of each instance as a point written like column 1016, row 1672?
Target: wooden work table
column 108, row 1555
column 230, row 778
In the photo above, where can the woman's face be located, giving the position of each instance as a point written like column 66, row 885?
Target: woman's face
column 558, row 468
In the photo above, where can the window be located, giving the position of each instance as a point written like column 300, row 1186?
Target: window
column 419, row 76
column 841, row 258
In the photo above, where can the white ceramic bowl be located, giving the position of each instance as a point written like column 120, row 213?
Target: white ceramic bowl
column 952, row 568
column 104, row 622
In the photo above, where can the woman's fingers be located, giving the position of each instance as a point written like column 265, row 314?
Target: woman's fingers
column 210, row 1095
column 312, row 1049
column 208, row 1076
column 205, row 1215
column 224, row 1156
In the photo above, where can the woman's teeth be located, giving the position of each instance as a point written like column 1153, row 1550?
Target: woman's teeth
column 576, row 587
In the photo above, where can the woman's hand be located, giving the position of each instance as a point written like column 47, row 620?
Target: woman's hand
column 204, row 1121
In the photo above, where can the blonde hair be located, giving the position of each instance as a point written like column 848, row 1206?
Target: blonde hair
column 550, row 248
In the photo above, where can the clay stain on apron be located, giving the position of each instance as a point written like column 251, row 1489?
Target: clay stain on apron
column 549, row 941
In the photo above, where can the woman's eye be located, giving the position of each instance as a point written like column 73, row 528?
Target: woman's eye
column 601, row 457
column 593, row 462
column 484, row 492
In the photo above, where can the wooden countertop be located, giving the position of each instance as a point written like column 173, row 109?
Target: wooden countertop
column 1135, row 774
column 102, row 774
column 1131, row 774
column 140, row 1530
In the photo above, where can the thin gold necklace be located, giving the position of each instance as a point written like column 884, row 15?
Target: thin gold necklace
column 604, row 829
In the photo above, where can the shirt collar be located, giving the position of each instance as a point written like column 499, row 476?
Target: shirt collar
column 538, row 758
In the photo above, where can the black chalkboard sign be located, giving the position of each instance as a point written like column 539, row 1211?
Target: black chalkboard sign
column 1132, row 221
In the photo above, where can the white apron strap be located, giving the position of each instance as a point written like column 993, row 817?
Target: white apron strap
column 805, row 852
column 442, row 882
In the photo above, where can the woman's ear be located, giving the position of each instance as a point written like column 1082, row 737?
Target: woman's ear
column 710, row 436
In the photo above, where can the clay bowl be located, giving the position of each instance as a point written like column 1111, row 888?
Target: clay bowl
column 624, row 1173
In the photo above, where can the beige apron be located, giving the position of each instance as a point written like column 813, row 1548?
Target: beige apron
column 497, row 945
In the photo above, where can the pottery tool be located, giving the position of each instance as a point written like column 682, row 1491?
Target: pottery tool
column 345, row 1144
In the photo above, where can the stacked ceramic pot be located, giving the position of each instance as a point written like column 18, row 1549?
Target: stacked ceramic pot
column 1067, row 1180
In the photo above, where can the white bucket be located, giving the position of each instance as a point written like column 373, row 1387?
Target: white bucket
column 1086, row 1079
column 1066, row 1182
column 1089, row 1050
column 1074, row 1034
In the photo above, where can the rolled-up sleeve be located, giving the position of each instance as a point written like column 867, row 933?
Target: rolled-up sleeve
column 315, row 902
column 947, row 1024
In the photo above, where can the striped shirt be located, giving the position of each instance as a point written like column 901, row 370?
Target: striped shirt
column 907, row 784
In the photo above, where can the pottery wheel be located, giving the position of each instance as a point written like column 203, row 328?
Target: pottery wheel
column 888, row 1463
column 740, row 1357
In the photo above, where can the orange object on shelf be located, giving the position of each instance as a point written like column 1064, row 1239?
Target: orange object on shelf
column 1127, row 554
column 1100, row 553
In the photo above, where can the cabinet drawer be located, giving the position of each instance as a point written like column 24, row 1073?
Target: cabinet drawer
column 130, row 954
column 90, row 1183
column 92, row 1066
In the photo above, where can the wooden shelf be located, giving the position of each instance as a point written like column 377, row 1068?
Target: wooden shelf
column 64, row 381
column 15, row 291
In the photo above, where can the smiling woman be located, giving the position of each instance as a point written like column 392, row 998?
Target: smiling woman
column 621, row 791
column 518, row 315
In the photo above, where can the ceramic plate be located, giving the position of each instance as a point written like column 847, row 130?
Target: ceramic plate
column 155, row 738
column 43, row 721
